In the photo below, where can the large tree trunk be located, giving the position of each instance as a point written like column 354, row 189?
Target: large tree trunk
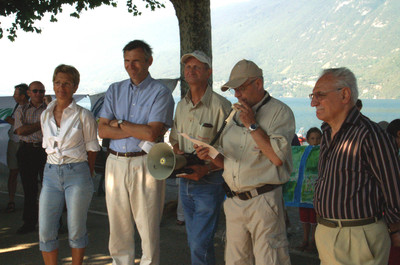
column 194, row 19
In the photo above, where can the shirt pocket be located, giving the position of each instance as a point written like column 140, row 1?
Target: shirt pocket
column 140, row 114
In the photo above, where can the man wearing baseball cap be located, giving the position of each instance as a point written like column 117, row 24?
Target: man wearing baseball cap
column 200, row 114
column 257, row 161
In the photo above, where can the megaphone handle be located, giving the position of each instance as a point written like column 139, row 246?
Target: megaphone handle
column 188, row 170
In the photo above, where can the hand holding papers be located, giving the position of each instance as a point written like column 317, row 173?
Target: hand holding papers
column 212, row 151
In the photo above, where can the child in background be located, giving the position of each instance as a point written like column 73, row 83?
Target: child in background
column 307, row 215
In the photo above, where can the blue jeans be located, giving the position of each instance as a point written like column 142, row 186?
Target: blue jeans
column 70, row 183
column 202, row 202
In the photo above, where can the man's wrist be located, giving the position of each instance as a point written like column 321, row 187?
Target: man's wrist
column 120, row 122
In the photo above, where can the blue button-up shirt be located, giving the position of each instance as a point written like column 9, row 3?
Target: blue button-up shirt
column 150, row 101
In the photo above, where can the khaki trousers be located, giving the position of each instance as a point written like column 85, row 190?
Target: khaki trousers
column 133, row 195
column 255, row 230
column 363, row 245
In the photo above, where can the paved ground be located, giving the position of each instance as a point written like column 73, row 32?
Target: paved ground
column 23, row 249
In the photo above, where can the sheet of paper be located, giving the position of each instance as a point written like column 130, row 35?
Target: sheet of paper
column 146, row 145
column 213, row 152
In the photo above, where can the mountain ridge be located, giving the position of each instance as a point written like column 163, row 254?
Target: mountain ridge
column 293, row 40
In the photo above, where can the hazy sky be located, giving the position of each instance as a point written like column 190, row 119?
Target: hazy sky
column 92, row 44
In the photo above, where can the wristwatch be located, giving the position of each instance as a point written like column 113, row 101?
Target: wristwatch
column 119, row 123
column 253, row 127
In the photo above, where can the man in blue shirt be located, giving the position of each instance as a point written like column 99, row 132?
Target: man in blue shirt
column 135, row 110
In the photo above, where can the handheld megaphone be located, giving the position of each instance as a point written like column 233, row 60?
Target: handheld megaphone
column 161, row 161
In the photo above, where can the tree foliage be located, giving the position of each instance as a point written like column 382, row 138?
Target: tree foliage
column 27, row 12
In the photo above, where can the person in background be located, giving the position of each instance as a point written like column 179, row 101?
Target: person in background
column 307, row 215
column 200, row 114
column 70, row 141
column 358, row 177
column 394, row 130
column 135, row 110
column 21, row 98
column 257, row 161
column 47, row 99
column 359, row 104
column 31, row 156
column 295, row 142
column 383, row 125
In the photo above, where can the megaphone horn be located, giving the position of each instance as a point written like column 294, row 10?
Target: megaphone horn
column 161, row 161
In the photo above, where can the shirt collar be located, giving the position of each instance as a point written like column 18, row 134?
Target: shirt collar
column 72, row 106
column 43, row 105
column 254, row 108
column 353, row 117
column 143, row 84
column 205, row 100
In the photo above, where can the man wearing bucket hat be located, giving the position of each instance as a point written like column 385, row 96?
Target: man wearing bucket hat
column 257, row 161
column 200, row 114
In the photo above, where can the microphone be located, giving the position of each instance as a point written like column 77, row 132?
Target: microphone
column 226, row 121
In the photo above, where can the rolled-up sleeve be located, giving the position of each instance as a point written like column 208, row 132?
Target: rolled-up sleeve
column 281, row 133
column 90, row 131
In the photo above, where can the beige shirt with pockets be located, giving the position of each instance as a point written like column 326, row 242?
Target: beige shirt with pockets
column 245, row 166
column 212, row 109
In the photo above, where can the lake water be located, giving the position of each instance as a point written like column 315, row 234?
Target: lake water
column 376, row 109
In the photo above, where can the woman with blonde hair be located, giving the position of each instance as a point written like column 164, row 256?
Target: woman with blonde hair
column 70, row 141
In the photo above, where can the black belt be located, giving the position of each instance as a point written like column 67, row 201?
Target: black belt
column 36, row 145
column 346, row 223
column 128, row 154
column 249, row 194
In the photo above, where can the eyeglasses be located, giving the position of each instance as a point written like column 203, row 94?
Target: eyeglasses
column 63, row 84
column 321, row 95
column 41, row 91
column 242, row 87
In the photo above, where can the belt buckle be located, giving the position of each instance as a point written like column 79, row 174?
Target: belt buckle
column 126, row 154
column 253, row 193
column 244, row 196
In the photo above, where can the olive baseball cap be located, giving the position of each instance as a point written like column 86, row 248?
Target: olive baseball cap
column 242, row 71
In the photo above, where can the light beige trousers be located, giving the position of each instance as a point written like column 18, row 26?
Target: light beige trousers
column 255, row 230
column 133, row 195
column 358, row 245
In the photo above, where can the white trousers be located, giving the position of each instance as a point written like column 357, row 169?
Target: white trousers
column 133, row 195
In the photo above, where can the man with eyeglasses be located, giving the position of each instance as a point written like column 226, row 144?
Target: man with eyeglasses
column 31, row 156
column 359, row 177
column 257, row 161
column 200, row 114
